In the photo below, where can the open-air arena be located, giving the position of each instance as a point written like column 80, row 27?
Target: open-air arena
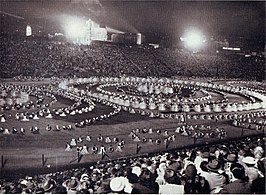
column 94, row 109
column 147, row 117
column 128, row 109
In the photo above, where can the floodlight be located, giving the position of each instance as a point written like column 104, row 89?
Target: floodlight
column 193, row 39
column 75, row 28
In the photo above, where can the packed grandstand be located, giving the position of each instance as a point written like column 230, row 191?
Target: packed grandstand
column 42, row 57
column 109, row 117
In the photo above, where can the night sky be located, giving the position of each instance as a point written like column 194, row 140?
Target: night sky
column 152, row 18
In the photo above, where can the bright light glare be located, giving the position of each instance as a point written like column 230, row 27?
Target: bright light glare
column 193, row 39
column 75, row 28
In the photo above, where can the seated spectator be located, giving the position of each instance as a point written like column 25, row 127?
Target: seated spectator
column 240, row 185
column 117, row 185
column 215, row 179
column 48, row 185
column 173, row 183
column 194, row 183
column 146, row 180
column 251, row 171
column 231, row 158
column 71, row 185
column 59, row 190
column 141, row 188
column 105, row 186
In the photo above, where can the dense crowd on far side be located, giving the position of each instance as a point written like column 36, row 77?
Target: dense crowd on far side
column 45, row 58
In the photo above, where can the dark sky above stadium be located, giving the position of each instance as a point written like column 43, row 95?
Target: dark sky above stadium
column 153, row 18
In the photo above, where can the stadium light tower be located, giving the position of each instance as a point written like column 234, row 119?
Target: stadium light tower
column 193, row 40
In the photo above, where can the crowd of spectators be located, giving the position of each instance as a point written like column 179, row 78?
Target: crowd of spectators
column 46, row 58
column 235, row 167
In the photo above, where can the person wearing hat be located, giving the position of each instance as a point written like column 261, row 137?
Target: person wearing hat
column 117, row 184
column 193, row 182
column 231, row 158
column 147, row 179
column 160, row 171
column 71, row 185
column 132, row 178
column 142, row 184
column 136, row 170
column 251, row 171
column 95, row 175
column 214, row 178
column 200, row 157
column 172, row 183
column 104, row 185
column 176, row 166
column 189, row 159
column 48, row 185
column 240, row 185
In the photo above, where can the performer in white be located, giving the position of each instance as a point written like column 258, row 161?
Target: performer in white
column 108, row 140
column 84, row 150
column 119, row 147
column 88, row 138
column 73, row 142
column 68, row 147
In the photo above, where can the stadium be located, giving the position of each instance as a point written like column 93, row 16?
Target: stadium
column 143, row 97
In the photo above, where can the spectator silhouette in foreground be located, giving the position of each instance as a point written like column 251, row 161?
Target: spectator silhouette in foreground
column 240, row 185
